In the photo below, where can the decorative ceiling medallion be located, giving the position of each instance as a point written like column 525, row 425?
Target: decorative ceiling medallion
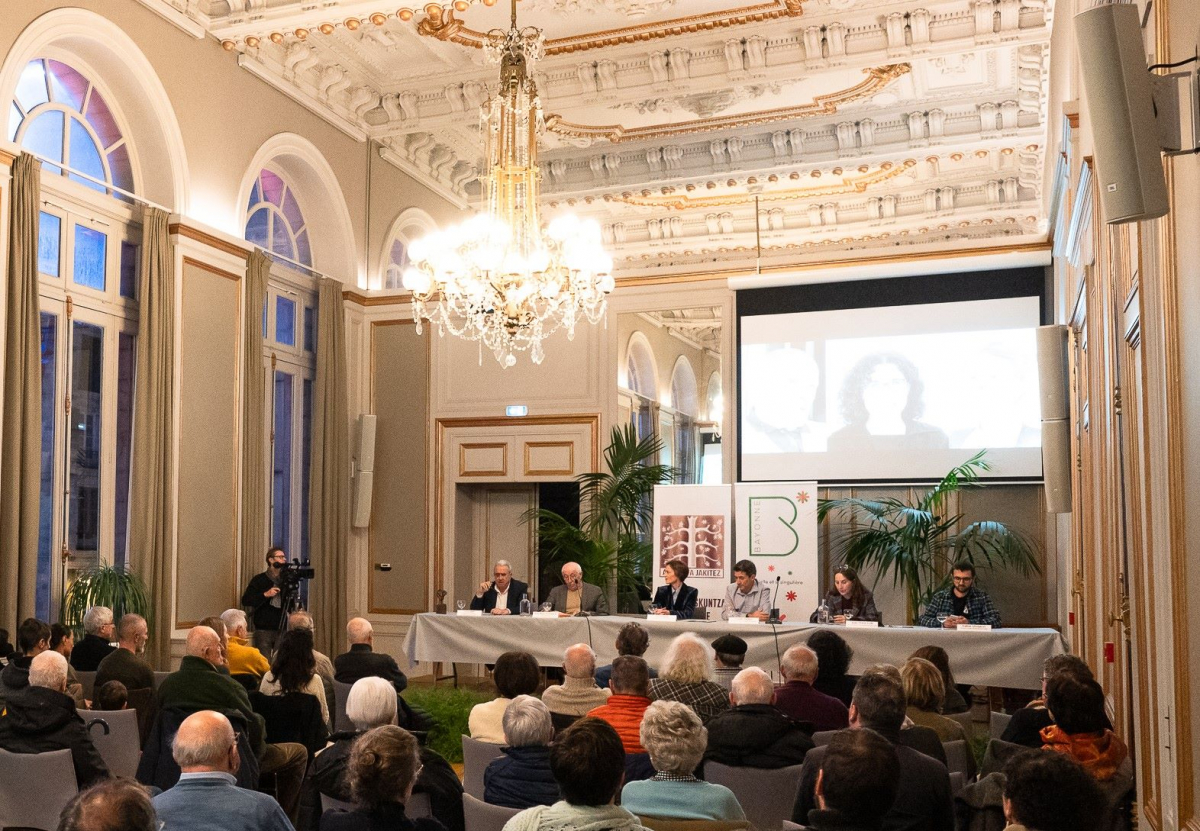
column 850, row 184
column 442, row 24
column 631, row 8
column 878, row 77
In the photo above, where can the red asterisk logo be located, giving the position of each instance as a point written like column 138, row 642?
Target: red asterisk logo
column 802, row 497
column 790, row 596
column 770, row 568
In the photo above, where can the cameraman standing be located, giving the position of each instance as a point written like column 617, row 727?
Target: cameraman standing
column 263, row 602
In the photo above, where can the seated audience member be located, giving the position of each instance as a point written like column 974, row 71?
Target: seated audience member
column 1049, row 792
column 575, row 597
column 632, row 639
column 857, row 784
column 197, row 685
column 215, row 623
column 6, row 647
column 1025, row 727
column 687, row 677
column 41, row 717
column 98, row 630
column 362, row 661
column 1079, row 731
column 244, row 659
column 924, row 691
column 372, row 703
column 923, row 798
column 516, row 673
column 954, row 701
column 126, row 664
column 588, row 762
column 961, row 603
column 833, row 661
column 383, row 769
column 521, row 778
column 755, row 733
column 630, row 697
column 746, row 595
column 110, row 805
column 912, row 735
column 62, row 641
column 797, row 697
column 294, row 669
column 206, row 797
column 33, row 638
column 672, row 734
column 502, row 595
column 675, row 598
column 111, row 695
column 303, row 620
column 578, row 693
column 848, row 596
column 729, row 651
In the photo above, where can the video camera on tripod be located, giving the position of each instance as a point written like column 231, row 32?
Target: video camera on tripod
column 290, row 575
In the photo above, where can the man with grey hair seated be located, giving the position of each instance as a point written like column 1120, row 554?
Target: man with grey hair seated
column 98, row 631
column 206, row 797
column 797, row 697
column 41, row 717
column 675, row 739
column 502, row 594
column 578, row 694
column 522, row 778
column 110, row 805
column 755, row 733
column 126, row 664
column 362, row 660
column 243, row 658
column 372, row 703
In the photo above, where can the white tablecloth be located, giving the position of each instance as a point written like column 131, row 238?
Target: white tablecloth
column 996, row 658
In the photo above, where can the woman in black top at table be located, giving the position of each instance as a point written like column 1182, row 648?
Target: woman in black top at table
column 848, row 598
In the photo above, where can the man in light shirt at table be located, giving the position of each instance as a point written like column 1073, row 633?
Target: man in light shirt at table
column 747, row 595
column 575, row 597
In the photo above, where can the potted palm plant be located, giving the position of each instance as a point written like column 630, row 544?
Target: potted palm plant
column 612, row 540
column 116, row 587
column 916, row 541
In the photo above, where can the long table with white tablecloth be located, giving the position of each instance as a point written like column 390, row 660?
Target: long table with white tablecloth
column 995, row 658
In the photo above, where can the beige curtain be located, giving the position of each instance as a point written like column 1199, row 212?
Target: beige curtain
column 21, row 449
column 329, row 472
column 151, row 503
column 254, row 437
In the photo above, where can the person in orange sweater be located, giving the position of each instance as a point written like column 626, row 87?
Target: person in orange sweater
column 244, row 659
column 630, row 684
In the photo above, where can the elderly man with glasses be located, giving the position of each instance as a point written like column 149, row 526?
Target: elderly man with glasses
column 961, row 603
column 98, row 628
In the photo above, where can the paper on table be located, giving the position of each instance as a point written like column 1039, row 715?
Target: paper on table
column 661, row 617
column 470, row 612
column 744, row 621
column 546, row 615
column 973, row 627
column 863, row 624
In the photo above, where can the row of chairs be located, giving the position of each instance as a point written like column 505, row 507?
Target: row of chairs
column 88, row 681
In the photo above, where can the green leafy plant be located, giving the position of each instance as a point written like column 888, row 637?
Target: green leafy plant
column 450, row 709
column 915, row 542
column 113, row 586
column 612, row 539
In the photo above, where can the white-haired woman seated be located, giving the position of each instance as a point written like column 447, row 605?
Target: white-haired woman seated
column 522, row 778
column 687, row 676
column 372, row 703
column 675, row 739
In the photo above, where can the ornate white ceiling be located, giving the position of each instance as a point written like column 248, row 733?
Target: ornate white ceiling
column 861, row 126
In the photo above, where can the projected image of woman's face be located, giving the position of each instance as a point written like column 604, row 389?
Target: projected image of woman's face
column 885, row 397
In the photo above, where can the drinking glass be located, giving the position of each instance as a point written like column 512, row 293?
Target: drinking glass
column 547, row 606
column 848, row 615
column 942, row 619
column 653, row 608
column 461, row 604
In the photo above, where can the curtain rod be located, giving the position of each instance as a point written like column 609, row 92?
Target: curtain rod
column 108, row 185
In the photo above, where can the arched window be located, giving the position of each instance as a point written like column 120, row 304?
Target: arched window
column 640, row 376
column 410, row 225
column 397, row 262
column 274, row 220
column 684, row 397
column 685, row 400
column 60, row 115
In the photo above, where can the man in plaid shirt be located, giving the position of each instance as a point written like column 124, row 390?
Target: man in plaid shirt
column 962, row 603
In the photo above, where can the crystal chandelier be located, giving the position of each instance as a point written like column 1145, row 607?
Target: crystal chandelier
column 500, row 278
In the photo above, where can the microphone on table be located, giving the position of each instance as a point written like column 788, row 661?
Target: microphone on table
column 774, row 618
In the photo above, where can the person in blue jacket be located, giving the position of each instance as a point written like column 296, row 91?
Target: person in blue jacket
column 676, row 598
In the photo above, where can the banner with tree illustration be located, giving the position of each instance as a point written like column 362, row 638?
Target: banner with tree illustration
column 777, row 531
column 691, row 524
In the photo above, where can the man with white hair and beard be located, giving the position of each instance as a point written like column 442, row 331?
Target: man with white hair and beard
column 755, row 733
column 127, row 664
column 41, row 717
column 578, row 694
column 207, row 797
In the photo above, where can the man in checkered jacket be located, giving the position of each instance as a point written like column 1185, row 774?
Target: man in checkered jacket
column 961, row 603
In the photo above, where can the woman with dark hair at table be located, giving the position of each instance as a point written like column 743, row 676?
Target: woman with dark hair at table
column 676, row 598
column 848, row 599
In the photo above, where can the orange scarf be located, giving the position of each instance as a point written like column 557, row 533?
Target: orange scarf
column 1099, row 753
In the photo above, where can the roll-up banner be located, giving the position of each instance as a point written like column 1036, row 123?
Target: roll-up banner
column 777, row 531
column 691, row 523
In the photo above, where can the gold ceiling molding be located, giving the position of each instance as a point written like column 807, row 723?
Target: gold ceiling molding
column 878, row 77
column 852, row 184
column 441, row 23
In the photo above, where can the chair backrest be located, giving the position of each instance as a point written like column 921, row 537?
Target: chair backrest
column 119, row 746
column 476, row 757
column 968, row 723
column 88, row 681
column 562, row 721
column 34, row 788
column 999, row 723
column 767, row 796
column 328, row 803
column 341, row 721
column 788, row 825
column 823, row 737
column 958, row 757
column 956, row 782
column 292, row 717
column 479, row 816
column 248, row 680
column 659, row 824
column 158, row 678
